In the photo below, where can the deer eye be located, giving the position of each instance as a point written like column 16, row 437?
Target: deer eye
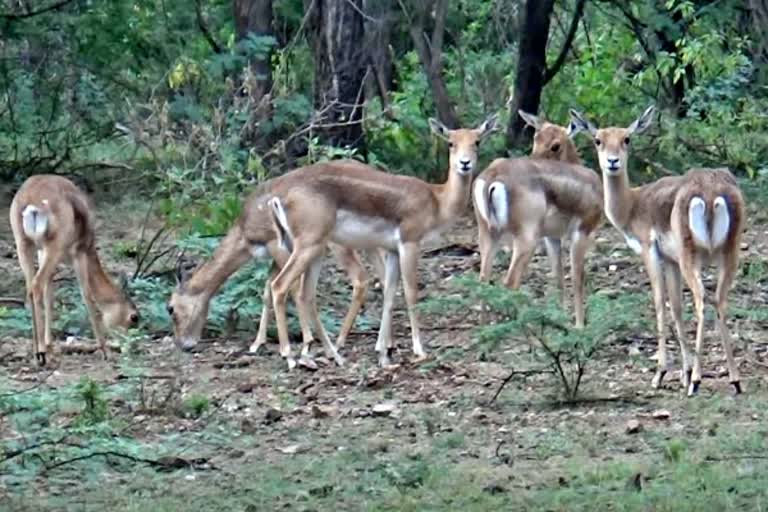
column 626, row 141
column 170, row 309
column 555, row 147
column 477, row 143
column 450, row 144
column 598, row 142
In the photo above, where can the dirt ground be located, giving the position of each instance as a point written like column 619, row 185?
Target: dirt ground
column 280, row 435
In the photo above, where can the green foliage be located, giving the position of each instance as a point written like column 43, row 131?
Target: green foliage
column 546, row 328
column 95, row 409
column 195, row 405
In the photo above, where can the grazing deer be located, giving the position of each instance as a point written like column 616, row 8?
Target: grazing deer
column 363, row 208
column 519, row 201
column 50, row 215
column 253, row 236
column 677, row 224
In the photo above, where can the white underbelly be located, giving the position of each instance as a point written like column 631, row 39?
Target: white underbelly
column 364, row 232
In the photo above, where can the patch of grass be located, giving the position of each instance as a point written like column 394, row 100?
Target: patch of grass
column 195, row 405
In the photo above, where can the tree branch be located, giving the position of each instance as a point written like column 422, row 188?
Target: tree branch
column 203, row 26
column 551, row 71
column 29, row 14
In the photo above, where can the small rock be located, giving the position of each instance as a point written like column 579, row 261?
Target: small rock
column 383, row 409
column 613, row 268
column 293, row 449
column 247, row 426
column 318, row 411
column 273, row 416
column 661, row 414
column 633, row 427
column 246, row 387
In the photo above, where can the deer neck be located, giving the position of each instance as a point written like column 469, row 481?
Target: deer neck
column 102, row 288
column 231, row 254
column 453, row 196
column 619, row 200
column 571, row 154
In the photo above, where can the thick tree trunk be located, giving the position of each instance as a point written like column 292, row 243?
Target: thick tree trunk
column 337, row 33
column 255, row 17
column 531, row 65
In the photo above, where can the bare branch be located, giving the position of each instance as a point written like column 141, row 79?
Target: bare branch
column 30, row 14
column 577, row 15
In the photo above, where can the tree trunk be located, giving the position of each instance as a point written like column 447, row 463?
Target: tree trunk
column 430, row 51
column 337, row 33
column 378, row 32
column 535, row 16
column 255, row 17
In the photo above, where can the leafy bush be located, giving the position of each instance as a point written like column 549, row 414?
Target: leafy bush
column 556, row 346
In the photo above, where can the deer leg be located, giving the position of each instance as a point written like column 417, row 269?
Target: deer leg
column 309, row 298
column 674, row 285
column 94, row 314
column 692, row 275
column 26, row 253
column 266, row 299
column 522, row 252
column 299, row 260
column 653, row 265
column 724, row 281
column 359, row 277
column 580, row 243
column 409, row 262
column 391, row 276
column 488, row 244
column 42, row 298
column 554, row 255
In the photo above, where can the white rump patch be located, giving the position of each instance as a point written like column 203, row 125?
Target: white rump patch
column 721, row 222
column 282, row 219
column 697, row 220
column 34, row 222
column 497, row 196
column 478, row 191
column 365, row 232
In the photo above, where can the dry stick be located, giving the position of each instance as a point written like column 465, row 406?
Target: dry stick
column 12, row 301
column 512, row 376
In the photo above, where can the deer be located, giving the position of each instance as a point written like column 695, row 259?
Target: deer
column 51, row 218
column 362, row 208
column 549, row 195
column 253, row 236
column 678, row 225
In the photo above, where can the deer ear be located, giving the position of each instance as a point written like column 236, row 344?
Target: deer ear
column 178, row 271
column 531, row 120
column 488, row 126
column 438, row 128
column 580, row 123
column 642, row 123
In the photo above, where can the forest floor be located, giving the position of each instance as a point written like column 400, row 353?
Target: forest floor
column 221, row 430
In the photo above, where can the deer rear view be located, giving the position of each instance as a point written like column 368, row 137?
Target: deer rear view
column 678, row 225
column 522, row 200
column 51, row 218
